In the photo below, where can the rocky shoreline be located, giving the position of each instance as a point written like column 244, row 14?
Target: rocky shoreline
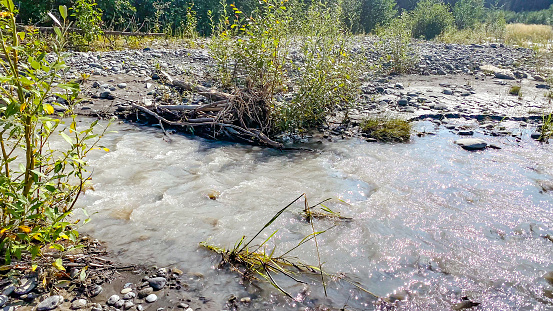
column 464, row 88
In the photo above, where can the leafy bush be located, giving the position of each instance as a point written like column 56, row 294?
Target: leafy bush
column 395, row 44
column 88, row 19
column 430, row 18
column 38, row 184
column 366, row 15
column 468, row 13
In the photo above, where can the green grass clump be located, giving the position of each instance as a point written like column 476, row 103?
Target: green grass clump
column 387, row 130
column 515, row 90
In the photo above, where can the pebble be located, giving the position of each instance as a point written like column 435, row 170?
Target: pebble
column 113, row 299
column 95, row 290
column 50, row 303
column 402, row 102
column 122, row 85
column 245, row 300
column 472, row 143
column 119, row 304
column 145, row 292
column 27, row 285
column 8, row 290
column 78, row 304
column 535, row 135
column 161, row 272
column 126, row 290
column 157, row 283
column 3, row 300
column 139, row 308
column 128, row 296
column 183, row 305
column 96, row 307
column 447, row 92
column 128, row 304
column 151, row 298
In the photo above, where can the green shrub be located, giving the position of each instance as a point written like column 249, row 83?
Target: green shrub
column 395, row 43
column 386, row 129
column 88, row 19
column 430, row 18
column 38, row 184
column 468, row 13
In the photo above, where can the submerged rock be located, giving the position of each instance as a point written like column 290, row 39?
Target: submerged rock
column 472, row 143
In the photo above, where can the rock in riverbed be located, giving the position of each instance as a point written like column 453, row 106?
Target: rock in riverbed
column 151, row 298
column 50, row 303
column 472, row 143
column 157, row 283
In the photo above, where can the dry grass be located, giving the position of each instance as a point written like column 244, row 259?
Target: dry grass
column 525, row 35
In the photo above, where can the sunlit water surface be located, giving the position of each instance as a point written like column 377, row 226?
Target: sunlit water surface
column 431, row 221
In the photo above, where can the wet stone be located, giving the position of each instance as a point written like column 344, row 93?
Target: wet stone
column 157, row 283
column 403, row 102
column 8, row 290
column 113, row 299
column 472, row 143
column 27, row 285
column 119, row 304
column 145, row 292
column 78, row 304
column 128, row 296
column 151, row 298
column 535, row 135
column 50, row 303
column 95, row 291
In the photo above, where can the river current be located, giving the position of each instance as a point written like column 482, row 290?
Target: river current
column 431, row 222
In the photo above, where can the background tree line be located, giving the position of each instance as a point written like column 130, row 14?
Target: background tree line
column 178, row 17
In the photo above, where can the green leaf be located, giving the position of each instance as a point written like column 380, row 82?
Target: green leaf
column 59, row 248
column 63, row 11
column 67, row 138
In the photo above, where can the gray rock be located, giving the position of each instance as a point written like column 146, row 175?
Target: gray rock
column 8, row 290
column 50, row 303
column 440, row 106
column 96, row 307
column 119, row 304
column 27, row 285
column 505, row 75
column 128, row 296
column 535, row 135
column 398, row 86
column 183, row 305
column 447, row 92
column 78, row 304
column 403, row 102
column 127, row 285
column 465, row 133
column 145, row 292
column 95, row 290
column 472, row 143
column 161, row 272
column 539, row 78
column 140, row 308
column 151, row 298
column 126, row 290
column 96, row 84
column 105, row 94
column 157, row 283
column 543, row 86
column 122, row 85
column 3, row 300
column 128, row 304
column 113, row 299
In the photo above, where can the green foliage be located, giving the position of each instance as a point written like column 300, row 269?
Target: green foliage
column 365, row 15
column 430, row 18
column 468, row 13
column 38, row 184
column 387, row 129
column 252, row 54
column 88, row 19
column 328, row 73
column 395, row 43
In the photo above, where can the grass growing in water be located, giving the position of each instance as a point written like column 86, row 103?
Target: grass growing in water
column 387, row 129
column 255, row 261
column 515, row 90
